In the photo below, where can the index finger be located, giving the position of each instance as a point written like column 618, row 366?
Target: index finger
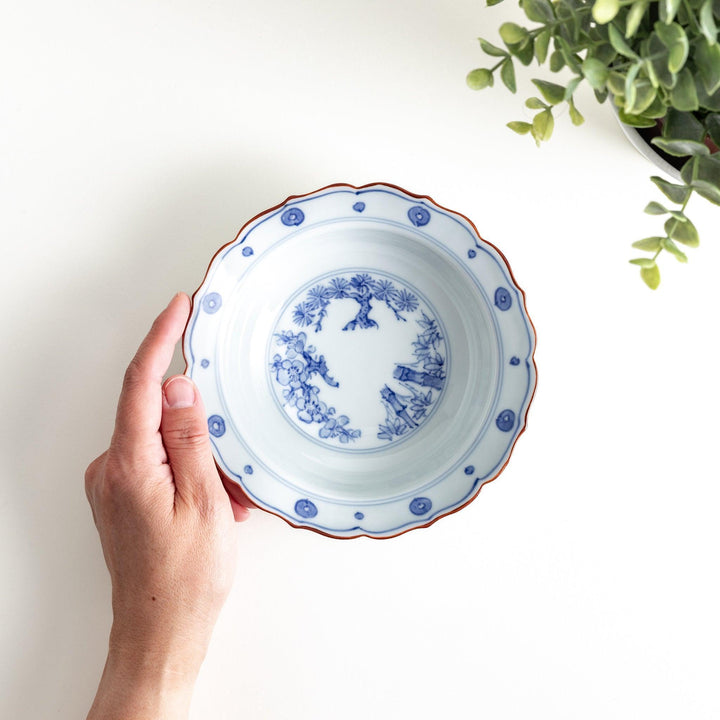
column 140, row 406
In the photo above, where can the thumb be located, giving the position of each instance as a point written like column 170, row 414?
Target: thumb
column 185, row 436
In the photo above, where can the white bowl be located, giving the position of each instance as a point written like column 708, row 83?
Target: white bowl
column 365, row 358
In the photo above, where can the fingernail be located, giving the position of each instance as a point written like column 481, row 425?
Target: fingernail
column 180, row 392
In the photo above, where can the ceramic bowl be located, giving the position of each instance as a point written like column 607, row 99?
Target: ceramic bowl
column 365, row 358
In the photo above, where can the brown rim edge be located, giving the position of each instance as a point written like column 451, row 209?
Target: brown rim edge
column 290, row 198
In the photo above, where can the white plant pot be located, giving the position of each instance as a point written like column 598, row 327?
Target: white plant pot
column 647, row 150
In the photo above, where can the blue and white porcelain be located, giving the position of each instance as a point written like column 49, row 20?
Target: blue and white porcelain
column 365, row 358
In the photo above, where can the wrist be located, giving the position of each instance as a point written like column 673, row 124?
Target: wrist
column 145, row 682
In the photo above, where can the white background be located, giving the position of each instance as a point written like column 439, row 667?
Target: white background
column 135, row 139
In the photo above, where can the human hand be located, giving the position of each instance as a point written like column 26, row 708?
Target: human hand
column 167, row 529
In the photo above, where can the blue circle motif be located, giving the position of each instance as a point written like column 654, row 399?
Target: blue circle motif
column 505, row 420
column 212, row 302
column 359, row 516
column 248, row 470
column 216, row 426
column 247, row 251
column 292, row 216
column 514, row 360
column 503, row 299
column 419, row 216
column 305, row 508
column 204, row 363
column 359, row 206
column 470, row 469
column 420, row 506
column 471, row 253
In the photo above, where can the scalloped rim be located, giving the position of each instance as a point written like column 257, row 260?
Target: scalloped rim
column 291, row 198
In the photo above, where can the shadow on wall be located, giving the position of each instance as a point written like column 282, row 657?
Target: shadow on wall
column 68, row 367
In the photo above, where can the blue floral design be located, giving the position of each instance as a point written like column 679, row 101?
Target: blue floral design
column 247, row 251
column 294, row 373
column 359, row 207
column 384, row 290
column 503, row 299
column 422, row 381
column 407, row 301
column 361, row 287
column 339, row 288
column 292, row 216
column 248, row 470
column 359, row 516
column 212, row 302
column 216, row 426
column 470, row 469
column 505, row 420
column 420, row 506
column 514, row 360
column 472, row 253
column 306, row 508
column 303, row 314
column 419, row 216
column 204, row 363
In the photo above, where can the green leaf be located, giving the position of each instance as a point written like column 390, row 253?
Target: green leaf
column 595, row 73
column 572, row 86
column 651, row 276
column 542, row 42
column 710, row 102
column 645, row 95
column 553, row 94
column 512, row 34
column 682, row 232
column 657, row 62
column 557, row 61
column 682, row 126
column 702, row 173
column 618, row 42
column 604, row 11
column 657, row 108
column 479, row 78
column 539, row 11
column 712, row 123
column 668, row 10
column 637, row 121
column 507, row 75
column 651, row 244
column 643, row 262
column 535, row 103
column 680, row 148
column 655, row 208
column 707, row 60
column 675, row 40
column 678, row 215
column 634, row 17
column 605, row 53
column 571, row 59
column 673, row 249
column 575, row 115
column 542, row 126
column 525, row 51
column 631, row 89
column 490, row 3
column 490, row 49
column 684, row 96
column 616, row 83
column 520, row 127
column 707, row 22
column 676, row 193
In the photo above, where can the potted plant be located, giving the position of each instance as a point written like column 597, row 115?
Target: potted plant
column 658, row 61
